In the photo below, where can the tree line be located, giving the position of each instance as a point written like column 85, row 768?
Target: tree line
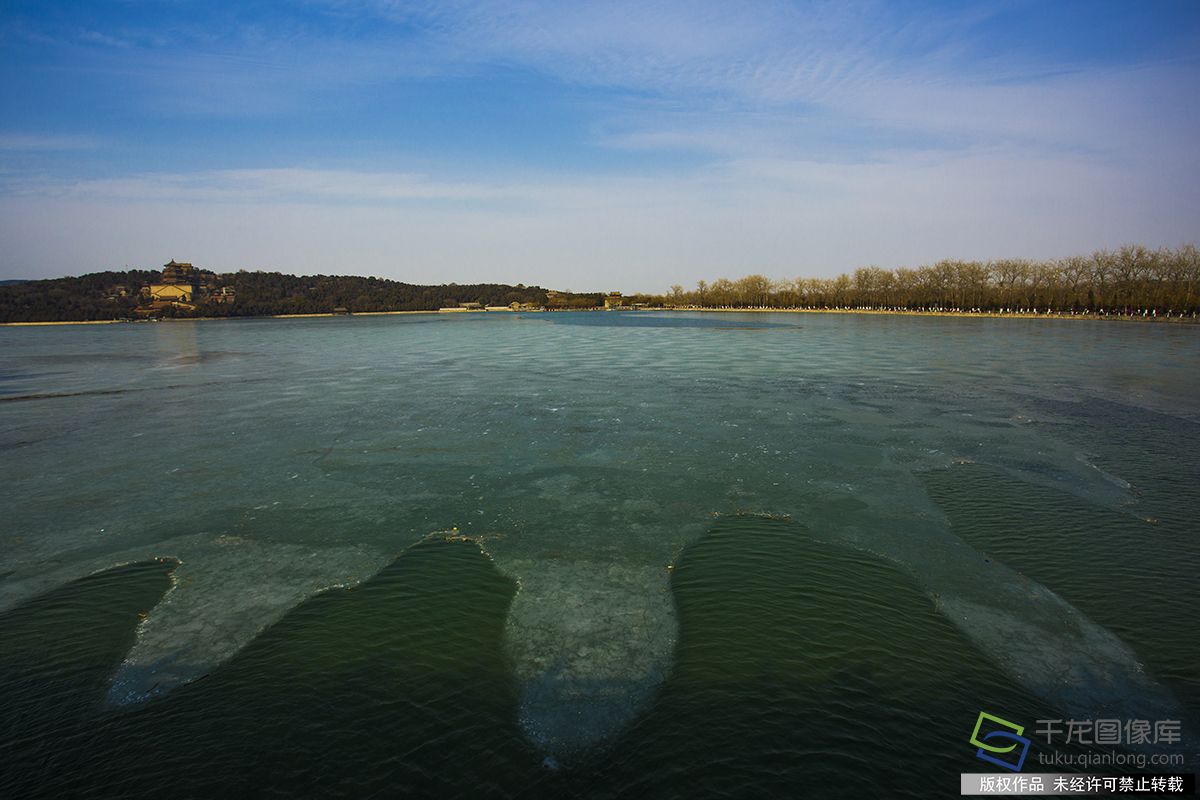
column 1130, row 280
column 266, row 293
column 84, row 298
column 116, row 294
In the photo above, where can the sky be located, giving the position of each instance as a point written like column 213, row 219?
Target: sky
column 591, row 146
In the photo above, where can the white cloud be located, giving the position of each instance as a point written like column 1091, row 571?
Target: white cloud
column 47, row 141
column 784, row 217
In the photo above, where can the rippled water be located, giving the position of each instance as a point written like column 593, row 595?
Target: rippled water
column 685, row 555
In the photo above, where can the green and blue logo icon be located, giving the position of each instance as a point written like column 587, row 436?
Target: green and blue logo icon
column 998, row 741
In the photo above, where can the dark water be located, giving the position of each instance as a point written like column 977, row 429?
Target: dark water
column 400, row 687
column 718, row 556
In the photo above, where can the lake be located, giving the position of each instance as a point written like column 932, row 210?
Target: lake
column 589, row 554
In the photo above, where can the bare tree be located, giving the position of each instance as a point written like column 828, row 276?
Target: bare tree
column 1133, row 279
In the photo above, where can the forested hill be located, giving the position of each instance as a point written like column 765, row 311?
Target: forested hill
column 261, row 293
column 86, row 297
column 115, row 295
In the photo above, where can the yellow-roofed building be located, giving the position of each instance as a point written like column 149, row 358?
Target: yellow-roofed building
column 179, row 283
column 172, row 292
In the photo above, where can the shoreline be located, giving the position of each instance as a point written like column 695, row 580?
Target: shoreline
column 960, row 314
column 63, row 322
column 211, row 319
column 864, row 311
column 331, row 314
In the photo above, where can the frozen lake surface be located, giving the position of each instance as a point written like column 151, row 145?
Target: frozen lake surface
column 586, row 540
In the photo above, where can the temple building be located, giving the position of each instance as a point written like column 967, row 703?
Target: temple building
column 180, row 283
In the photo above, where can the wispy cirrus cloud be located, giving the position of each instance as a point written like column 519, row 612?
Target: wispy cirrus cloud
column 722, row 79
column 47, row 142
column 104, row 39
column 285, row 185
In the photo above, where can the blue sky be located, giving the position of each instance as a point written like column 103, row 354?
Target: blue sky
column 590, row 146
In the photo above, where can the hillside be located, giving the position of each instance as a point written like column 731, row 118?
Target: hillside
column 117, row 295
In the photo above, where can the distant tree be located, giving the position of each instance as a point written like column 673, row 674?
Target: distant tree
column 1133, row 278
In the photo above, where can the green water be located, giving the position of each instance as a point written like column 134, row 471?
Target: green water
column 696, row 555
